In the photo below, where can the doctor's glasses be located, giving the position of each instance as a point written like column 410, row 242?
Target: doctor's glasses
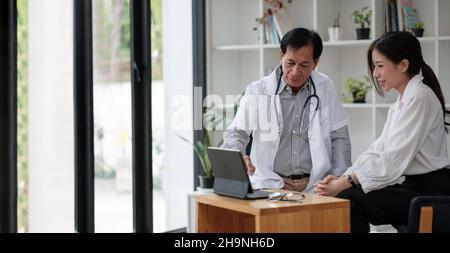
column 293, row 197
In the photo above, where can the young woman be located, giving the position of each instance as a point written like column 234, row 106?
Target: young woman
column 410, row 157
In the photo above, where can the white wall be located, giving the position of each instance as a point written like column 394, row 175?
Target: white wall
column 51, row 135
column 177, row 55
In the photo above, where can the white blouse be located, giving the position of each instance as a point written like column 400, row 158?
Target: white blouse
column 412, row 142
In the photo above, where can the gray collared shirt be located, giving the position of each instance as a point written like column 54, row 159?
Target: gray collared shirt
column 293, row 155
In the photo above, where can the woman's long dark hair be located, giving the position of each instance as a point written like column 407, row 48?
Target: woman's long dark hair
column 398, row 46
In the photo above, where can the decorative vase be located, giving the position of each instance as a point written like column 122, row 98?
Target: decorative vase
column 334, row 33
column 362, row 33
column 206, row 182
column 418, row 32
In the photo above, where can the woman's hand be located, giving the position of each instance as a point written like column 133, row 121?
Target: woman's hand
column 249, row 165
column 331, row 186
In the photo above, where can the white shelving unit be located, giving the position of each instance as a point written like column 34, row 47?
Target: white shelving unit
column 236, row 56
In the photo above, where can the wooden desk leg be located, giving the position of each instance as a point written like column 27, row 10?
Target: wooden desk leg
column 200, row 217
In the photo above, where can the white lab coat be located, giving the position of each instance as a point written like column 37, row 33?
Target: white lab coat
column 329, row 117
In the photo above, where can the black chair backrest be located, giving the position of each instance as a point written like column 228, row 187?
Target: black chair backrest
column 441, row 213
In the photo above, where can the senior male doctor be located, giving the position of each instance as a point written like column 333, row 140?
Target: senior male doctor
column 298, row 125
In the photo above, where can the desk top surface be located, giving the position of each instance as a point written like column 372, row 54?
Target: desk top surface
column 263, row 206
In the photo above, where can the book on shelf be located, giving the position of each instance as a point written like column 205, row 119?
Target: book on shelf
column 410, row 14
column 277, row 26
column 266, row 33
column 393, row 12
column 271, row 35
column 276, row 21
column 401, row 15
column 387, row 16
column 273, row 30
column 401, row 25
column 284, row 23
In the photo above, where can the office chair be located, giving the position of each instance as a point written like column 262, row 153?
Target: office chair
column 428, row 214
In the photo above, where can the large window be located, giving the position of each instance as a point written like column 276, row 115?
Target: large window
column 159, row 213
column 22, row 115
column 49, row 113
column 112, row 116
column 46, row 119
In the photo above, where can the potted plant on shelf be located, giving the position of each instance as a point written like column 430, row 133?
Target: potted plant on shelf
column 334, row 32
column 418, row 29
column 200, row 147
column 362, row 18
column 358, row 89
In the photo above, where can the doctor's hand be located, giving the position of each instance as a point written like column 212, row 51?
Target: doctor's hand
column 249, row 165
column 331, row 186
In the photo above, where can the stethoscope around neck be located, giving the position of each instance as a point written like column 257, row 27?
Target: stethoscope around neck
column 313, row 95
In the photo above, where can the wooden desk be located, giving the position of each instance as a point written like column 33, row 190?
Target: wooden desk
column 316, row 214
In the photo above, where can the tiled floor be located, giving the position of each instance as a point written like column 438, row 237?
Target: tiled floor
column 113, row 209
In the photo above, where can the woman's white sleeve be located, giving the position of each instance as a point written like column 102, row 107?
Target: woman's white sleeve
column 406, row 134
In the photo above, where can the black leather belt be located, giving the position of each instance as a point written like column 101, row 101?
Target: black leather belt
column 295, row 177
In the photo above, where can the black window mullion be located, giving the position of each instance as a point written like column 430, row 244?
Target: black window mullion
column 141, row 116
column 83, row 117
column 8, row 116
column 199, row 75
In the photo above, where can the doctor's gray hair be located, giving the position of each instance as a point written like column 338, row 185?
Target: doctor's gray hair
column 300, row 37
column 398, row 46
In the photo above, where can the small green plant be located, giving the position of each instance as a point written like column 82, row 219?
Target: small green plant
column 337, row 22
column 200, row 148
column 357, row 88
column 362, row 17
column 418, row 29
column 419, row 25
column 212, row 120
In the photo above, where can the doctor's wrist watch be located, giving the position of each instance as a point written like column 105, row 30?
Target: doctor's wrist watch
column 350, row 180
